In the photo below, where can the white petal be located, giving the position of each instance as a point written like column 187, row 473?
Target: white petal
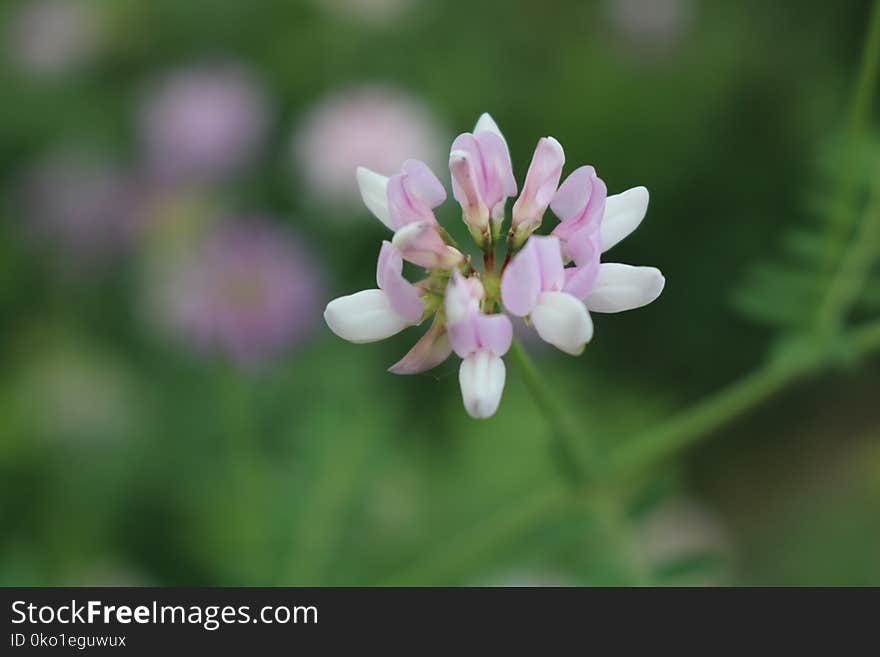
column 481, row 377
column 365, row 316
column 373, row 188
column 624, row 287
column 563, row 321
column 623, row 214
column 487, row 124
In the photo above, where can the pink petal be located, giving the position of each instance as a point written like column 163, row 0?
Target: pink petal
column 413, row 194
column 499, row 182
column 521, row 281
column 485, row 174
column 423, row 184
column 494, row 332
column 461, row 306
column 584, row 248
column 431, row 350
column 463, row 337
column 464, row 162
column 542, row 179
column 579, row 202
column 405, row 298
column 548, row 252
column 421, row 244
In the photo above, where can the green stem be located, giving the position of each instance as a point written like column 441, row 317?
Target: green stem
column 705, row 417
column 862, row 100
column 852, row 273
column 568, row 442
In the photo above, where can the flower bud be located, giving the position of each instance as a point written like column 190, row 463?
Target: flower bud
column 538, row 191
column 474, row 211
column 421, row 244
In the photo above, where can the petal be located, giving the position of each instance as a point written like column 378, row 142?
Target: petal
column 464, row 159
column 413, row 194
column 583, row 246
column 624, row 287
column 481, row 377
column 542, row 179
column 580, row 281
column 499, row 182
column 365, row 316
column 374, row 192
column 421, row 244
column 487, row 124
column 462, row 297
column 563, row 321
column 494, row 332
column 579, row 202
column 431, row 350
column 623, row 214
column 549, row 255
column 404, row 297
column 574, row 194
column 422, row 184
column 521, row 281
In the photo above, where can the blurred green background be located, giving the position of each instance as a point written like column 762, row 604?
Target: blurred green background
column 178, row 203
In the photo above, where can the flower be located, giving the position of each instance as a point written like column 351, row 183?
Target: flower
column 375, row 126
column 204, row 123
column 375, row 12
column 653, row 26
column 534, row 282
column 248, row 292
column 482, row 176
column 52, row 38
column 87, row 209
column 541, row 181
column 480, row 340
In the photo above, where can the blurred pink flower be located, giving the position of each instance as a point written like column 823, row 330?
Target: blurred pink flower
column 49, row 38
column 84, row 207
column 249, row 291
column 375, row 127
column 651, row 24
column 376, row 12
column 204, row 123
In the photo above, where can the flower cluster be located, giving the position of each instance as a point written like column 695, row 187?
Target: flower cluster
column 551, row 281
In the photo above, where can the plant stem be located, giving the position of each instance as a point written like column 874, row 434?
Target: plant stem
column 569, row 446
column 862, row 99
column 852, row 273
column 713, row 412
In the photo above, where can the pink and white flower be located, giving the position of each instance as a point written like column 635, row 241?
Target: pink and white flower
column 553, row 281
column 482, row 176
column 480, row 340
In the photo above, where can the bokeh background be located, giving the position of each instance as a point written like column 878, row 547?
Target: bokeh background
column 178, row 204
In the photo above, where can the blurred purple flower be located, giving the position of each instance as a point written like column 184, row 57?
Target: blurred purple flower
column 373, row 126
column 204, row 123
column 49, row 38
column 84, row 207
column 250, row 291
